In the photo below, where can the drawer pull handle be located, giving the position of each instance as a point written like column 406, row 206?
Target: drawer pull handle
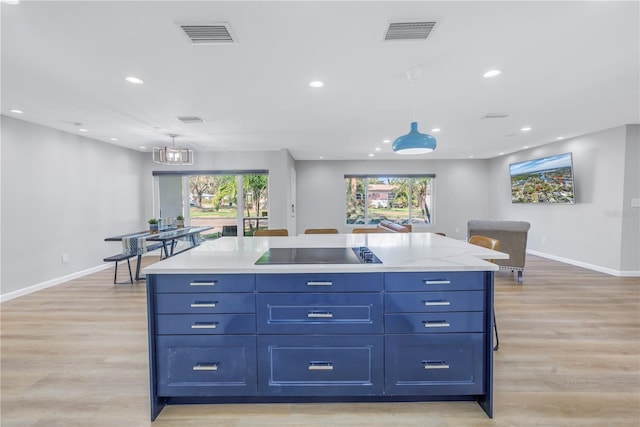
column 201, row 304
column 211, row 283
column 204, row 325
column 314, row 283
column 436, row 302
column 436, row 281
column 320, row 366
column 319, row 315
column 435, row 364
column 436, row 324
column 206, row 367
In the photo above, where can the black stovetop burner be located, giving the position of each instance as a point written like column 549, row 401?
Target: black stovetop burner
column 357, row 255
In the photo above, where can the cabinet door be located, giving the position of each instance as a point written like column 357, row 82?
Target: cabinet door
column 440, row 364
column 303, row 313
column 206, row 366
column 191, row 303
column 320, row 365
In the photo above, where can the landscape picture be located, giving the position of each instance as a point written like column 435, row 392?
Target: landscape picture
column 544, row 180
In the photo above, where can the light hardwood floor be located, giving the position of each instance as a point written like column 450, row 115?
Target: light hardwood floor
column 76, row 355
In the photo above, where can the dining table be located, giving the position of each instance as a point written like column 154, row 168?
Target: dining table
column 167, row 237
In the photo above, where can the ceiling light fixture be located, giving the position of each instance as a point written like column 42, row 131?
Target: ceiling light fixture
column 525, row 129
column 435, row 130
column 113, row 139
column 414, row 142
column 491, row 73
column 173, row 155
column 82, row 130
column 316, row 84
column 134, row 80
column 386, row 141
column 13, row 110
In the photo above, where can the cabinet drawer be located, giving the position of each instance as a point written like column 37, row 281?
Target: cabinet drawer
column 320, row 365
column 205, row 324
column 206, row 366
column 205, row 303
column 178, row 283
column 402, row 302
column 305, row 313
column 434, row 364
column 435, row 281
column 320, row 282
column 429, row 323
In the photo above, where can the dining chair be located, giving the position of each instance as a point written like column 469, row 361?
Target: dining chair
column 321, row 231
column 489, row 243
column 369, row 230
column 271, row 232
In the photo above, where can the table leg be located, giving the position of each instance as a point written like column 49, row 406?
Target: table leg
column 166, row 250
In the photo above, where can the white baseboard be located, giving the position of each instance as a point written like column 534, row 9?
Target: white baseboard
column 606, row 270
column 49, row 283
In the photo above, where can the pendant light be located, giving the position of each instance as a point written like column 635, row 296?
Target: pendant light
column 173, row 155
column 414, row 142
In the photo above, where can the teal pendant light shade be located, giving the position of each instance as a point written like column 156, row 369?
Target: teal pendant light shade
column 414, row 142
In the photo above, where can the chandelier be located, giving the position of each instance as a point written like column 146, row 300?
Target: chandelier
column 173, row 155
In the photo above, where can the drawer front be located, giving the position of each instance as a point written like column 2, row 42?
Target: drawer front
column 402, row 302
column 320, row 365
column 434, row 364
column 435, row 281
column 205, row 303
column 206, row 366
column 430, row 323
column 304, row 313
column 179, row 283
column 320, row 282
column 205, row 324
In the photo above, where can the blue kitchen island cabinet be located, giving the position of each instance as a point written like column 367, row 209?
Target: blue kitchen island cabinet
column 320, row 336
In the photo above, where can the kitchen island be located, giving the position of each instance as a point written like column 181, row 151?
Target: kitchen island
column 415, row 326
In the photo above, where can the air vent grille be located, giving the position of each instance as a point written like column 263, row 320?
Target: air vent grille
column 191, row 119
column 203, row 34
column 408, row 30
column 495, row 116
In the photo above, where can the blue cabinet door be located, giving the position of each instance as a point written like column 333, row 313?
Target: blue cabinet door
column 439, row 364
column 320, row 282
column 320, row 365
column 435, row 281
column 205, row 324
column 434, row 323
column 191, row 303
column 404, row 302
column 178, row 283
column 206, row 366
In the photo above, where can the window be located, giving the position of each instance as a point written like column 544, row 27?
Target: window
column 404, row 199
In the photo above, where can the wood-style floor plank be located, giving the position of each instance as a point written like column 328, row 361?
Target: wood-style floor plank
column 76, row 355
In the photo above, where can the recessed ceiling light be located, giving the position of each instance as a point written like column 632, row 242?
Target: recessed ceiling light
column 378, row 148
column 435, row 130
column 13, row 110
column 316, row 83
column 113, row 139
column 321, row 157
column 82, row 130
column 525, row 129
column 560, row 137
column 491, row 73
column 142, row 147
column 371, row 154
column 471, row 157
column 134, row 80
column 525, row 146
column 500, row 154
column 386, row 141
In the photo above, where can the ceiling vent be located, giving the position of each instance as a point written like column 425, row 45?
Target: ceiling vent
column 191, row 119
column 206, row 34
column 495, row 116
column 408, row 30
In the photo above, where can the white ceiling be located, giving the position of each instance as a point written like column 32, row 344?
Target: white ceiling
column 568, row 68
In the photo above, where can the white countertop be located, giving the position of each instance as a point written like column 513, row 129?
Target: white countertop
column 397, row 251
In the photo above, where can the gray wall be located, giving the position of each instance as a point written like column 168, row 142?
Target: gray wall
column 589, row 233
column 460, row 191
column 62, row 194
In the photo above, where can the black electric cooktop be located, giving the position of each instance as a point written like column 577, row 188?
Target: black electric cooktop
column 358, row 255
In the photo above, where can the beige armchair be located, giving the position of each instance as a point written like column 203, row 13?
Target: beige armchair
column 513, row 240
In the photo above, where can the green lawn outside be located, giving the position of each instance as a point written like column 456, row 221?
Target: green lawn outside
column 224, row 212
